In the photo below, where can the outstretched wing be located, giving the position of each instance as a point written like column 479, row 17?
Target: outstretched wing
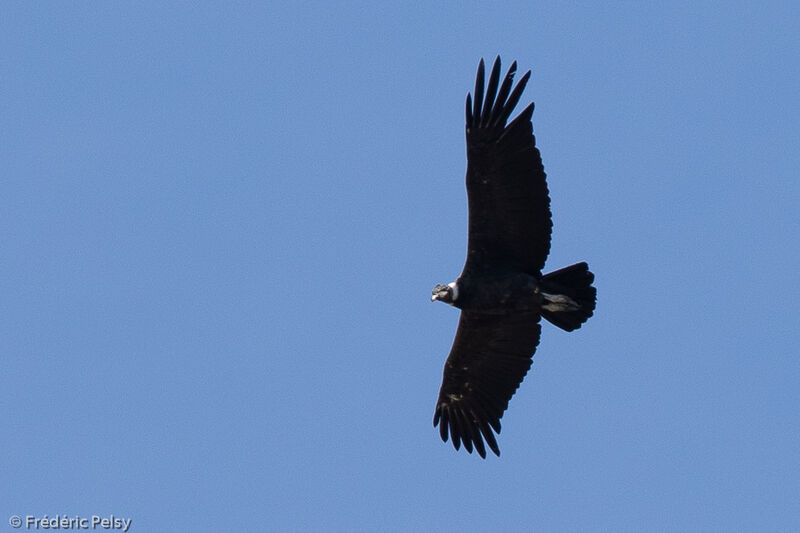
column 490, row 356
column 509, row 207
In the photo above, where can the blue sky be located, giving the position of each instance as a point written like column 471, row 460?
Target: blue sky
column 220, row 224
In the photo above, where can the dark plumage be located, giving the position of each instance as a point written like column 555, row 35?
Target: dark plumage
column 501, row 292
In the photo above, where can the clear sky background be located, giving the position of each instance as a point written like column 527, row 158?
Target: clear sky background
column 220, row 224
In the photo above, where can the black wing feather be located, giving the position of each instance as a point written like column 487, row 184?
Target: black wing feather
column 478, row 92
column 490, row 356
column 513, row 100
column 494, row 78
column 509, row 206
column 508, row 82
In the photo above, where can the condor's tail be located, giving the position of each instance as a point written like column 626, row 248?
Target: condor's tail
column 569, row 297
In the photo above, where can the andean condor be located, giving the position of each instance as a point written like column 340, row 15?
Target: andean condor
column 501, row 292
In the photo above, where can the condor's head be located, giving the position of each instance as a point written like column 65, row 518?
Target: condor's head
column 445, row 293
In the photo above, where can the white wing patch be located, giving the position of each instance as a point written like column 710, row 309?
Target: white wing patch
column 559, row 303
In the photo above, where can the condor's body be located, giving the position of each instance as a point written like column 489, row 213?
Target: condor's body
column 501, row 291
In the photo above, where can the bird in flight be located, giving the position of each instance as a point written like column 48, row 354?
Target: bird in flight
column 501, row 291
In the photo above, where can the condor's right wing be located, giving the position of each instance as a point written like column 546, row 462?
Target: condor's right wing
column 489, row 359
